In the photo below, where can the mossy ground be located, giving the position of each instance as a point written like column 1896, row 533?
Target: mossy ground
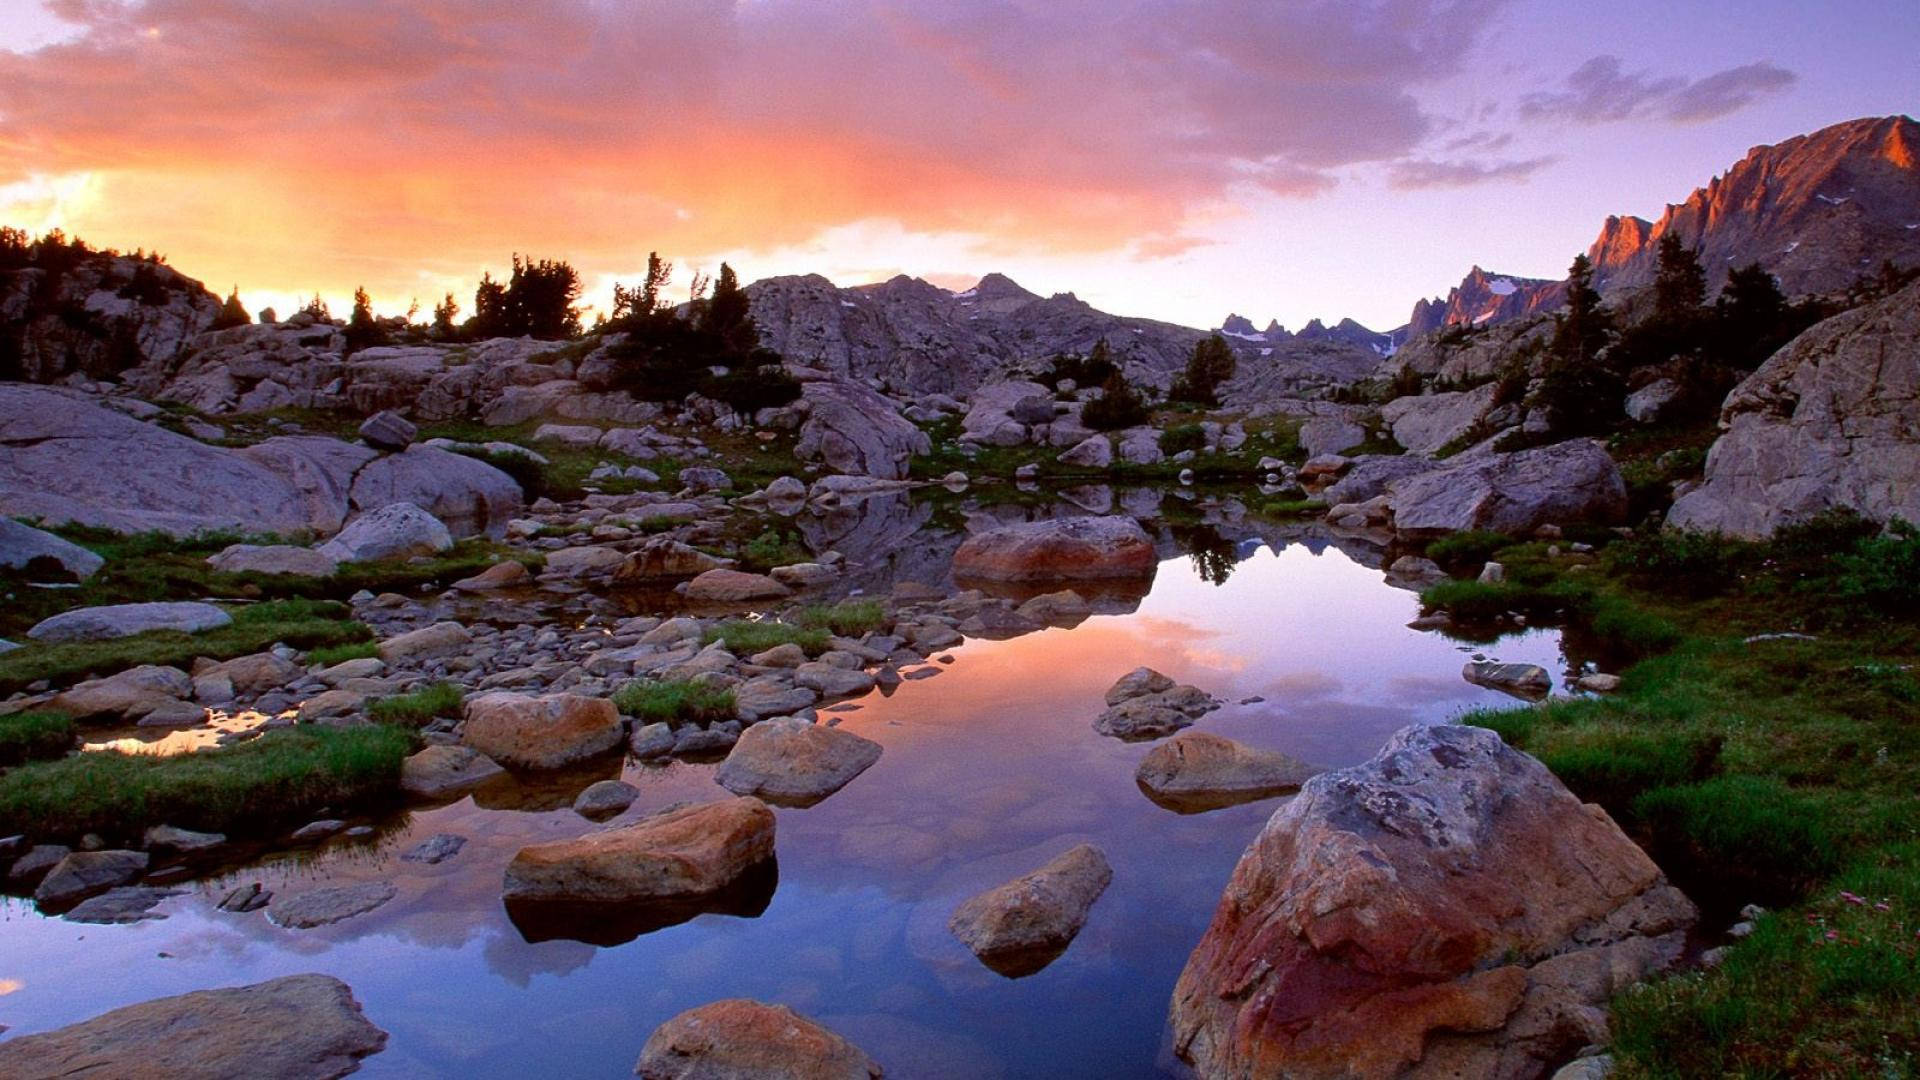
column 1754, row 768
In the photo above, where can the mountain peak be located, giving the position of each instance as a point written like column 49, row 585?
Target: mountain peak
column 997, row 286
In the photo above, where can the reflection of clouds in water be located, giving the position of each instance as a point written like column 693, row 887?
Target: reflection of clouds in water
column 518, row 962
column 1415, row 689
column 1301, row 686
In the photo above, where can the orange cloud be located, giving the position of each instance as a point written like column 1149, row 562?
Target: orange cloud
column 287, row 145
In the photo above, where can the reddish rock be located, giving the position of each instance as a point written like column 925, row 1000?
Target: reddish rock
column 540, row 732
column 680, row 855
column 1067, row 549
column 1447, row 908
column 739, row 1039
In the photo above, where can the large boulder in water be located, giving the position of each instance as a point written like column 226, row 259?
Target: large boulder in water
column 1568, row 482
column 1448, row 908
column 740, row 1039
column 540, row 732
column 792, row 762
column 297, row 1025
column 677, row 856
column 1022, row 926
column 1062, row 549
column 854, row 430
column 1831, row 420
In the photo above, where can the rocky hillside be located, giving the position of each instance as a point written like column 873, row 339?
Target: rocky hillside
column 1483, row 299
column 1817, row 210
column 97, row 314
column 916, row 338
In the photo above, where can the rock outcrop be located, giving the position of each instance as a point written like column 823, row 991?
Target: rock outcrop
column 1571, row 482
column 294, row 1026
column 739, row 1039
column 1831, row 420
column 1064, row 549
column 1483, row 298
column 1446, row 909
column 851, row 429
column 97, row 317
column 1424, row 423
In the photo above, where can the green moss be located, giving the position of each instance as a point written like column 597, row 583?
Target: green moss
column 33, row 736
column 674, row 701
column 419, row 708
column 303, row 624
column 258, row 787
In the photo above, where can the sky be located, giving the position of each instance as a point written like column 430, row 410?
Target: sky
column 1175, row 159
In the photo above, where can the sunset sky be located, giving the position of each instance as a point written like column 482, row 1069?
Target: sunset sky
column 1178, row 159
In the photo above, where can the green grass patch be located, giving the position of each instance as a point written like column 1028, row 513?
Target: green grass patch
column 1754, row 829
column 748, row 636
column 674, row 701
column 329, row 655
column 303, row 624
column 280, row 778
column 419, row 708
column 1468, row 550
column 32, row 736
column 848, row 618
column 1826, row 990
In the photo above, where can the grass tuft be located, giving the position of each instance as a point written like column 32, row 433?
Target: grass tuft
column 674, row 700
column 329, row 655
column 34, row 736
column 419, row 708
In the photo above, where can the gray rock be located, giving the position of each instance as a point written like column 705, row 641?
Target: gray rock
column 1427, row 422
column 32, row 866
column 168, row 838
column 1330, row 435
column 605, row 798
column 734, row 587
column 435, row 849
column 249, row 897
column 790, row 762
column 850, row 429
column 21, row 545
column 1528, row 681
column 1652, row 402
column 702, row 742
column 321, row 907
column 84, row 873
column 1020, row 927
column 125, row 620
column 394, row 531
column 273, row 559
column 831, row 681
column 128, row 904
column 766, row 696
column 314, row 831
column 1141, row 446
column 1139, row 682
column 428, row 642
column 1198, row 771
column 1094, row 453
column 702, row 479
column 297, row 1026
column 1368, row 475
column 1573, row 481
column 651, row 741
column 1140, row 719
column 1826, row 422
column 388, row 431
column 468, row 495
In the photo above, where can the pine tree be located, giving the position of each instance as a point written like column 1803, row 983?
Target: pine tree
column 363, row 331
column 1211, row 364
column 1581, row 393
column 1680, row 284
column 1118, row 405
column 728, row 317
column 232, row 313
column 444, row 313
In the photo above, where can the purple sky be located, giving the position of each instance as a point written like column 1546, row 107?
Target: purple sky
column 1176, row 160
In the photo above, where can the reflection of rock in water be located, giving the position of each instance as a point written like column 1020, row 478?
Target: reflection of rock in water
column 608, row 924
column 1106, row 596
column 865, row 528
column 554, row 790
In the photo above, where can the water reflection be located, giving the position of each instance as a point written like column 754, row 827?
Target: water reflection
column 989, row 770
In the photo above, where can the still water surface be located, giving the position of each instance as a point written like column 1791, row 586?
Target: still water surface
column 990, row 768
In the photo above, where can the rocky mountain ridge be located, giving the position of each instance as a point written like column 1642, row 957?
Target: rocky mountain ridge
column 1483, row 298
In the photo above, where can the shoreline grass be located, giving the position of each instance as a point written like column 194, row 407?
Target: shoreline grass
column 254, row 788
column 673, row 701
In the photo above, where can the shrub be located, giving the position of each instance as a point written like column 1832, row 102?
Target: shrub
column 1181, row 437
column 1682, row 562
column 1615, row 768
column 1881, row 572
column 1118, row 405
column 667, row 701
column 32, row 736
column 419, row 708
column 254, row 788
column 774, row 547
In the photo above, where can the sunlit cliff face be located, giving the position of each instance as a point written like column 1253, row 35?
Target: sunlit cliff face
column 289, row 147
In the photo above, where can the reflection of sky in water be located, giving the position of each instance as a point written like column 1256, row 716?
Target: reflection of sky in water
column 990, row 768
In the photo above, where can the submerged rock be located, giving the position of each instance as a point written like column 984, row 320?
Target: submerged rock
column 1448, row 908
column 306, row 1026
column 1198, row 771
column 1020, row 927
column 319, row 907
column 130, row 903
column 679, row 855
column 84, row 873
column 1528, row 681
column 739, row 1039
column 1087, row 548
column 791, row 762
